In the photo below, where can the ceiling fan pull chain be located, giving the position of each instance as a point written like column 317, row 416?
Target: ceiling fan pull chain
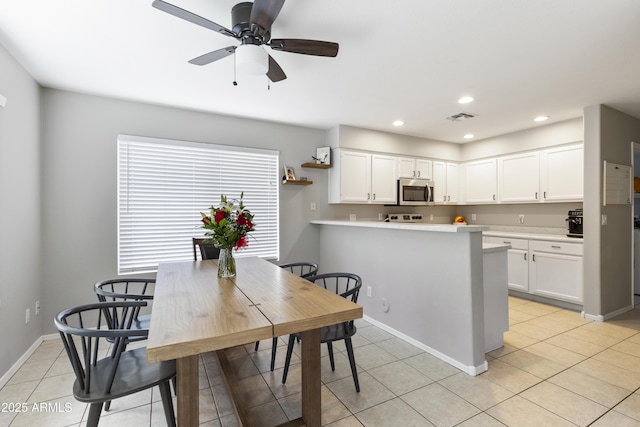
column 235, row 82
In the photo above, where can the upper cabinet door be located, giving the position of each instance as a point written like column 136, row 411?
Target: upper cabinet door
column 383, row 179
column 423, row 169
column 481, row 184
column 406, row 167
column 562, row 173
column 452, row 183
column 414, row 168
column 355, row 175
column 519, row 178
column 445, row 182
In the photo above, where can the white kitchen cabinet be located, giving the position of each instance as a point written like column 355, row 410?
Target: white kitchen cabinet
column 384, row 184
column 409, row 167
column 555, row 270
column 358, row 177
column 517, row 261
column 445, row 182
column 562, row 171
column 551, row 269
column 519, row 178
column 481, row 181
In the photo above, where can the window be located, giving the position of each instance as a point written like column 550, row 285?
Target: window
column 163, row 185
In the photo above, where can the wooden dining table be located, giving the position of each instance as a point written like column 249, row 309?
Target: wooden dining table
column 195, row 312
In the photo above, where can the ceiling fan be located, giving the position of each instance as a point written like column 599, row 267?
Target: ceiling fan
column 251, row 25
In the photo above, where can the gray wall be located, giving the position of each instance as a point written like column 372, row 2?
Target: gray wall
column 538, row 137
column 79, row 182
column 366, row 139
column 608, row 249
column 20, row 215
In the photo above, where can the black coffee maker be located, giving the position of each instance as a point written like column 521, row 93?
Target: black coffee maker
column 575, row 223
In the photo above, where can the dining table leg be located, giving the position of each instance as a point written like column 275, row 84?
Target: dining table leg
column 187, row 391
column 311, row 378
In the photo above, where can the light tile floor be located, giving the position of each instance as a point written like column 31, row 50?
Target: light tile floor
column 556, row 369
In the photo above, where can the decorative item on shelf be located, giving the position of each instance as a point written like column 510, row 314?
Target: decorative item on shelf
column 288, row 173
column 226, row 228
column 323, row 155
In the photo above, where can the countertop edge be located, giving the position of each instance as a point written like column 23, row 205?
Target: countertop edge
column 533, row 236
column 488, row 248
column 415, row 226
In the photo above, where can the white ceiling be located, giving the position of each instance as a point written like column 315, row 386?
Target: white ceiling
column 407, row 59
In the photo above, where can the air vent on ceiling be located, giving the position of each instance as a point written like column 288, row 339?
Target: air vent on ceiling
column 461, row 116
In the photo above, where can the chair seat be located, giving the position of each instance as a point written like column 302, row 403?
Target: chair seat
column 133, row 374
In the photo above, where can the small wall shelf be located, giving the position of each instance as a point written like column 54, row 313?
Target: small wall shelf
column 296, row 182
column 315, row 165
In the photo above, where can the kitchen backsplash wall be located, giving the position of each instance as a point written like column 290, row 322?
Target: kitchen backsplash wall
column 547, row 218
column 541, row 215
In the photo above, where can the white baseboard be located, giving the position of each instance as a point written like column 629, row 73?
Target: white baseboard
column 27, row 354
column 469, row 369
column 602, row 318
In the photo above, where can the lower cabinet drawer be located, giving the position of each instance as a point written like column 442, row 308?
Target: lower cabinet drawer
column 556, row 247
column 515, row 243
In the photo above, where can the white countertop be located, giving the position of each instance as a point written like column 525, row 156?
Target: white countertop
column 415, row 226
column 533, row 236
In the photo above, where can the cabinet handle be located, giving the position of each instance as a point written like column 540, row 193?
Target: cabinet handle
column 506, row 243
column 494, row 197
column 444, row 198
column 536, row 195
column 556, row 247
column 533, row 257
column 545, row 194
column 418, row 174
column 525, row 256
column 448, row 198
column 374, row 196
column 368, row 196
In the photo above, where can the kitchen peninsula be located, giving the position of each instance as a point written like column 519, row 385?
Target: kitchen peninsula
column 422, row 282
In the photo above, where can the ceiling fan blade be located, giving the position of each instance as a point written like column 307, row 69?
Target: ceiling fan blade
column 306, row 47
column 191, row 17
column 210, row 57
column 264, row 12
column 275, row 73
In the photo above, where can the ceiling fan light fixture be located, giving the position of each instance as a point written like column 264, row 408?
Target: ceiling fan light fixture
column 252, row 59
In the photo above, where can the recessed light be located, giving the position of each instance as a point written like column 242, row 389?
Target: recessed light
column 541, row 119
column 398, row 123
column 465, row 100
column 469, row 136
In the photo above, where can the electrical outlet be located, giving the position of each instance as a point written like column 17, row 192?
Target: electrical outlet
column 313, row 206
column 521, row 219
column 604, row 220
column 368, row 291
column 430, row 217
column 37, row 310
column 473, row 217
column 27, row 316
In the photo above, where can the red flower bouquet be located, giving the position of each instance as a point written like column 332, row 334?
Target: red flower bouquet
column 227, row 225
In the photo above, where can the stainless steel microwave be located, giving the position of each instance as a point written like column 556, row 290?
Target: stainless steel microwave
column 415, row 192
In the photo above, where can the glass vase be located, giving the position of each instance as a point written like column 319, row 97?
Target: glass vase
column 226, row 263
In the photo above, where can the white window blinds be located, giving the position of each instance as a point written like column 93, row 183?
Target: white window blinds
column 163, row 186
